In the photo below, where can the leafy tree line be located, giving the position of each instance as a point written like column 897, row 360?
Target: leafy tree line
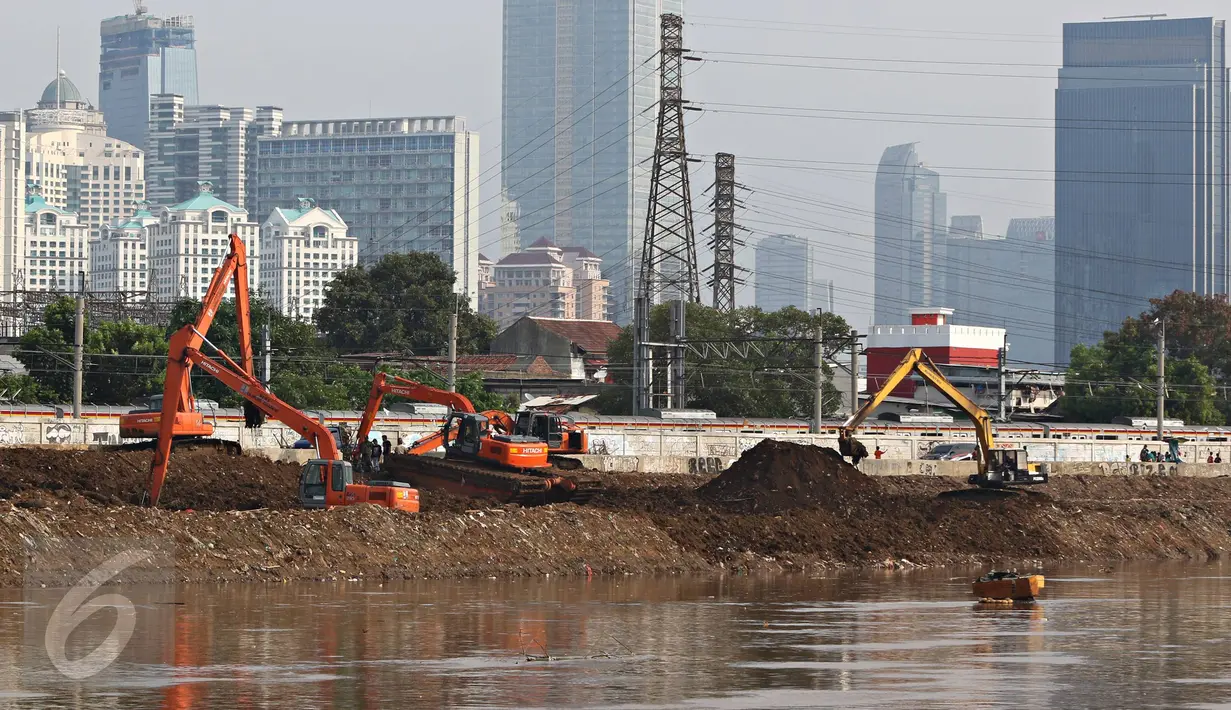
column 400, row 304
column 1116, row 377
column 775, row 384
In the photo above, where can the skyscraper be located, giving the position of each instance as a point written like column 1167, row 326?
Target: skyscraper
column 579, row 87
column 1032, row 246
column 401, row 184
column 783, row 273
column 143, row 55
column 910, row 236
column 188, row 144
column 1141, row 170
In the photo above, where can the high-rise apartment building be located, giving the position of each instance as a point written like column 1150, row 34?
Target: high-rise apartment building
column 546, row 281
column 119, row 257
column 401, row 184
column 909, row 239
column 783, row 273
column 302, row 249
column 78, row 167
column 12, row 199
column 191, row 239
column 1141, row 170
column 510, row 241
column 579, row 87
column 191, row 144
column 57, row 246
column 143, row 55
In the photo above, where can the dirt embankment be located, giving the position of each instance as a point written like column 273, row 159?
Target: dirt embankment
column 780, row 506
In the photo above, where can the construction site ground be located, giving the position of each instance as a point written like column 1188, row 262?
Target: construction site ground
column 780, row 507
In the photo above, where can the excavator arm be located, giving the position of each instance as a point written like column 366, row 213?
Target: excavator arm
column 234, row 268
column 918, row 361
column 385, row 383
column 183, row 354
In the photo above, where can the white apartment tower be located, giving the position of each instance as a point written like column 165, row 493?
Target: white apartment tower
column 189, row 144
column 56, row 246
column 302, row 249
column 79, row 168
column 190, row 240
column 12, row 199
column 119, row 257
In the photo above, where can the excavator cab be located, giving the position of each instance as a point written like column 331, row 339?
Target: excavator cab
column 469, row 436
column 541, row 427
column 1008, row 467
column 319, row 477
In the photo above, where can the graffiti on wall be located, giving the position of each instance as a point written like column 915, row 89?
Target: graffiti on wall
column 58, row 433
column 12, row 435
column 1138, row 468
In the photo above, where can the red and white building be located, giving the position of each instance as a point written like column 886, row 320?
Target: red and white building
column 944, row 343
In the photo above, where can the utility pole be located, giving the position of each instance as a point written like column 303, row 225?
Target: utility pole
column 1162, row 375
column 818, row 361
column 854, row 372
column 1002, row 357
column 452, row 352
column 266, row 343
column 78, row 355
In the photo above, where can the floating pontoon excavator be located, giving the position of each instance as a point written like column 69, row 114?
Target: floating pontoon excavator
column 479, row 461
column 997, row 467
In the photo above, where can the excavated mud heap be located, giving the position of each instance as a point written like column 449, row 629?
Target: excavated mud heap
column 199, row 480
column 775, row 476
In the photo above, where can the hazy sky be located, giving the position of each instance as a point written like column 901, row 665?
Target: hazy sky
column 957, row 66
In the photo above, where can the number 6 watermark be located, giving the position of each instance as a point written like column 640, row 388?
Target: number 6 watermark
column 87, row 599
column 77, row 606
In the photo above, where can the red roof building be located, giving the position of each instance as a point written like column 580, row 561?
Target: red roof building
column 944, row 343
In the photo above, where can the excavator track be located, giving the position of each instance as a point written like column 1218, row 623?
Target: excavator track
column 222, row 446
column 478, row 481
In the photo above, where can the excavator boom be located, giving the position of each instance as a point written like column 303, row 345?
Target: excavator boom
column 996, row 467
column 324, row 482
column 384, row 383
column 232, row 270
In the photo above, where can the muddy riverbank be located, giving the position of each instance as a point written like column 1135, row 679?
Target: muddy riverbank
column 781, row 507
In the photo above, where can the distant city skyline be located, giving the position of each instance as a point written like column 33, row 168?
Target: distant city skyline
column 998, row 169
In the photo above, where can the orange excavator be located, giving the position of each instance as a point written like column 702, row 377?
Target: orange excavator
column 323, row 482
column 561, row 435
column 479, row 461
column 190, row 427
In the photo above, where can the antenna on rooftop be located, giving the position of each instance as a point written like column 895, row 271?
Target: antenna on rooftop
column 139, row 8
column 1137, row 17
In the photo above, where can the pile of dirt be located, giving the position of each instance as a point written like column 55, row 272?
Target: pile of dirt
column 201, row 480
column 774, row 476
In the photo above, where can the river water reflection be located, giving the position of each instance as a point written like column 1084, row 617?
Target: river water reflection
column 1154, row 636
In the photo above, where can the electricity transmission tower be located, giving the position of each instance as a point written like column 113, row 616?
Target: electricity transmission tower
column 724, row 242
column 669, row 251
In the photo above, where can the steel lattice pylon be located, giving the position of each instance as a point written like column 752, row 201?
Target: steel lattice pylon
column 724, row 242
column 669, row 252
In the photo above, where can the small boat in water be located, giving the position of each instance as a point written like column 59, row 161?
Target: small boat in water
column 1008, row 586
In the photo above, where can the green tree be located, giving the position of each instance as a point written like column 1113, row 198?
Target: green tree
column 776, row 383
column 1117, row 376
column 400, row 304
column 121, row 359
column 21, row 389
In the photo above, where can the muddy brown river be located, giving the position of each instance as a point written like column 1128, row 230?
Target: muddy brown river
column 1153, row 636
